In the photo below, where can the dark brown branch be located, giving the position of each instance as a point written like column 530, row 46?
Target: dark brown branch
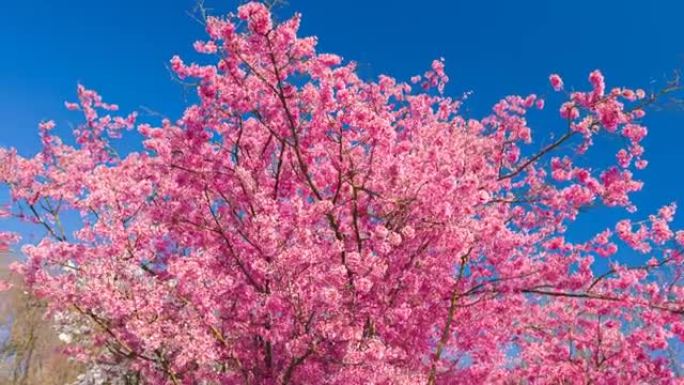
column 223, row 235
column 538, row 155
column 446, row 332
column 293, row 365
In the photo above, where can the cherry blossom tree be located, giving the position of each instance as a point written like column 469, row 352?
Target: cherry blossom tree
column 302, row 225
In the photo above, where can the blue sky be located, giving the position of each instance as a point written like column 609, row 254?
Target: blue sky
column 493, row 48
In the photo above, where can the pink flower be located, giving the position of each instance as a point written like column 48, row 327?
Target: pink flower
column 660, row 231
column 353, row 259
column 607, row 251
column 381, row 232
column 438, row 67
column 597, row 81
column 47, row 125
column 71, row 106
column 556, row 82
column 569, row 111
column 679, row 237
column 408, row 231
column 322, row 207
column 638, row 113
column 364, row 285
column 634, row 132
column 4, row 286
column 208, row 47
column 394, row 239
column 603, row 237
column 17, row 268
column 641, row 164
column 624, row 158
column 623, row 228
column 668, row 212
column 257, row 15
column 629, row 95
column 8, row 238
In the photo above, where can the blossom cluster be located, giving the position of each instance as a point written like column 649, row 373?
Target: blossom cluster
column 302, row 225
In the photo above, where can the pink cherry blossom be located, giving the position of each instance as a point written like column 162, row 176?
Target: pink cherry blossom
column 4, row 286
column 302, row 224
column 556, row 82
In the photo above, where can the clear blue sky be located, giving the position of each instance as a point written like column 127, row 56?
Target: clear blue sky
column 494, row 48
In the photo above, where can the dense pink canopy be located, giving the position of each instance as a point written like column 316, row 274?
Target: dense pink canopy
column 302, row 225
